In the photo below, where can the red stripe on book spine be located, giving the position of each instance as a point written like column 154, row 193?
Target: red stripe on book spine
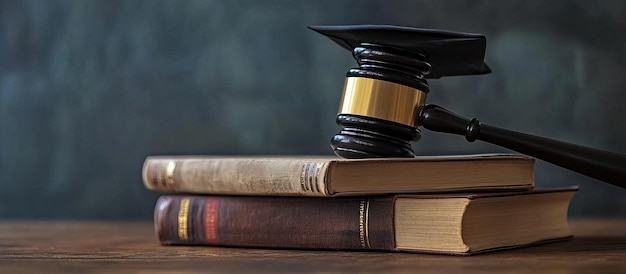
column 211, row 221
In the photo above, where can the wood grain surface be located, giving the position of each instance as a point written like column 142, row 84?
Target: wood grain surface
column 599, row 246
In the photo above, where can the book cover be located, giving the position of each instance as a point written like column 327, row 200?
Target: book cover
column 446, row 223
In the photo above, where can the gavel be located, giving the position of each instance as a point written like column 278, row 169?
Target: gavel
column 384, row 99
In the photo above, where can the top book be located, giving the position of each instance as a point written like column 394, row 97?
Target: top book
column 333, row 176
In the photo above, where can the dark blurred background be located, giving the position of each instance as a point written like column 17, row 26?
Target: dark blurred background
column 88, row 89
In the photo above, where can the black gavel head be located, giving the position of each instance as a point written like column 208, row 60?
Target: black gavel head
column 382, row 95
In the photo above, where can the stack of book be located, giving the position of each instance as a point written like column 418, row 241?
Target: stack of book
column 446, row 204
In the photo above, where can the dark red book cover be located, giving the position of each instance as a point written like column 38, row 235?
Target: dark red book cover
column 276, row 222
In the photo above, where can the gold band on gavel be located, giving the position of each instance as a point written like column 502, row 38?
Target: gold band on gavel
column 381, row 99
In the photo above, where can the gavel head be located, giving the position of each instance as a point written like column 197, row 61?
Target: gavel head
column 381, row 96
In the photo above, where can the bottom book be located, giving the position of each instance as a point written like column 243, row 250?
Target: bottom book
column 460, row 224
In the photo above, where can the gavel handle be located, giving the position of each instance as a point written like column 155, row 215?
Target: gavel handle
column 602, row 165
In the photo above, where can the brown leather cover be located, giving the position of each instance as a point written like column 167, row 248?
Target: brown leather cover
column 277, row 222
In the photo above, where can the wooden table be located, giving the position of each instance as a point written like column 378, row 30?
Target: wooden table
column 61, row 247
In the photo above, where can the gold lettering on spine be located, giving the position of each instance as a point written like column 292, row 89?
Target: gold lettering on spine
column 169, row 173
column 183, row 212
column 364, row 208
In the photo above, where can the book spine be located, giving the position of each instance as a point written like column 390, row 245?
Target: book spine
column 276, row 222
column 273, row 177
